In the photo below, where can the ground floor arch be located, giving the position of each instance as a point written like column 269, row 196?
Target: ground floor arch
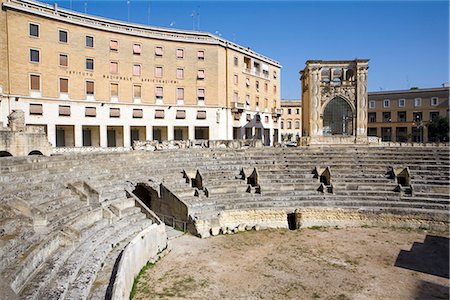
column 338, row 118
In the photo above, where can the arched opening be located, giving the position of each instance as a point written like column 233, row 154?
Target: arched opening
column 338, row 118
column 144, row 194
column 35, row 152
column 5, row 154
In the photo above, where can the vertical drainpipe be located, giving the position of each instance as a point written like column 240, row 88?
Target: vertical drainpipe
column 7, row 61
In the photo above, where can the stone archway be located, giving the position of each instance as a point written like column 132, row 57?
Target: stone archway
column 5, row 154
column 338, row 118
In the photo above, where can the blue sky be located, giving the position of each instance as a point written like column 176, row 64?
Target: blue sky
column 407, row 42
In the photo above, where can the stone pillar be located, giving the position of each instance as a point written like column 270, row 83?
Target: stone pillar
column 148, row 133
column 361, row 100
column 51, row 134
column 103, row 136
column 78, row 135
column 170, row 132
column 126, row 136
column 191, row 133
column 316, row 122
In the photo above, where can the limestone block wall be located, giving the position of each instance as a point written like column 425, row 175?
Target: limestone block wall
column 145, row 247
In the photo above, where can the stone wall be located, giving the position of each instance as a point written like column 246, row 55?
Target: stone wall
column 20, row 140
column 145, row 247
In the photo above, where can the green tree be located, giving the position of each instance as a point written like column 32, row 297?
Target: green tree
column 438, row 130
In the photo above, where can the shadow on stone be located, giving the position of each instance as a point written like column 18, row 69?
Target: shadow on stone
column 431, row 256
column 430, row 290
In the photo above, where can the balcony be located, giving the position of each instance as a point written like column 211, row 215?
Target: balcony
column 237, row 107
column 276, row 112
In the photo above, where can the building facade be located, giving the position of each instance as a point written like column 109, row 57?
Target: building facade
column 403, row 115
column 334, row 101
column 90, row 81
column 291, row 121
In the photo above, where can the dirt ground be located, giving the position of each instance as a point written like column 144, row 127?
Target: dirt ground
column 318, row 263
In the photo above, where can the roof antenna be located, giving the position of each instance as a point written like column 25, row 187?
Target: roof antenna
column 128, row 8
column 85, row 7
column 148, row 13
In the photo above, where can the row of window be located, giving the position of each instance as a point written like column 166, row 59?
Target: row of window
column 114, row 66
column 35, row 86
column 401, row 134
column 247, row 84
column 114, row 112
column 401, row 116
column 402, row 102
column 255, row 67
column 257, row 100
column 63, row 37
column 289, row 111
column 289, row 125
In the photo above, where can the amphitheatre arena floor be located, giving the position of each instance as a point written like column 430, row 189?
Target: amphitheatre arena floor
column 315, row 263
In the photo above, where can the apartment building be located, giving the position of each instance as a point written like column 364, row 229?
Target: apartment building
column 291, row 123
column 92, row 81
column 403, row 115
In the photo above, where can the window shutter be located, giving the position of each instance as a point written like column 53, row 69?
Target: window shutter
column 35, row 82
column 90, row 112
column 180, row 93
column 136, row 49
column 114, row 112
column 89, row 87
column 137, row 113
column 36, row 109
column 114, row 45
column 137, row 91
column 114, row 89
column 159, row 114
column 63, row 85
column 201, row 114
column 64, row 110
column 181, row 114
column 201, row 74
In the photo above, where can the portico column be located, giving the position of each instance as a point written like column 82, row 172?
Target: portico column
column 51, row 134
column 103, row 136
column 170, row 132
column 126, row 136
column 78, row 136
column 148, row 133
column 191, row 133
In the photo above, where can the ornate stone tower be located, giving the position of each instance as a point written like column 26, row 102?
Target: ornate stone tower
column 334, row 97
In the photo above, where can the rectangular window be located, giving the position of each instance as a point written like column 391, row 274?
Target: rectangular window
column 180, row 114
column 372, row 117
column 434, row 101
column 401, row 134
column 180, row 53
column 371, row 104
column 386, row 103
column 90, row 112
column 201, row 74
column 89, row 41
column 114, row 67
column 274, row 89
column 257, row 85
column 372, row 131
column 247, row 99
column 236, row 61
column 36, row 109
column 180, row 93
column 159, row 114
column 114, row 112
column 434, row 115
column 137, row 49
column 180, row 73
column 114, row 45
column 63, row 60
column 63, row 36
column 34, row 55
column 401, row 116
column 159, row 93
column 257, row 101
column 64, row 85
column 90, row 64
column 289, row 111
column 418, row 102
column 201, row 95
column 114, row 90
column 64, row 110
column 138, row 113
column 386, row 134
column 236, row 97
column 159, row 51
column 387, row 117
column 34, row 30
column 158, row 72
column 201, row 55
column 266, row 87
column 401, row 102
column 136, row 70
column 137, row 91
column 89, row 88
column 236, row 79
column 201, row 115
column 417, row 116
column 35, row 82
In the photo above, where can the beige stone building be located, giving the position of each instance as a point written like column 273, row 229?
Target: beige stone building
column 291, row 121
column 403, row 115
column 91, row 81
